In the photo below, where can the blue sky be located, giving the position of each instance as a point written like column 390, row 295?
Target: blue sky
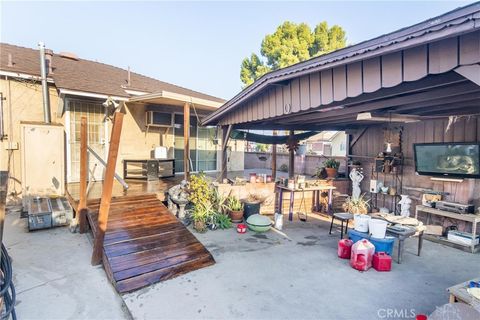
column 198, row 45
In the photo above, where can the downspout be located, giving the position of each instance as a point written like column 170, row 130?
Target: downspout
column 43, row 75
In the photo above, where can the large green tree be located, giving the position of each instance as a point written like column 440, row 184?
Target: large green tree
column 289, row 44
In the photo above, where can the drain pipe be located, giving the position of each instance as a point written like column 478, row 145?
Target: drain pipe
column 43, row 74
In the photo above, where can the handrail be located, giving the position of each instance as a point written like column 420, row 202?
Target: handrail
column 102, row 162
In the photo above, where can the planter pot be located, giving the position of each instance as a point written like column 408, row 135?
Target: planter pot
column 302, row 150
column 236, row 216
column 331, row 172
column 200, row 226
column 250, row 209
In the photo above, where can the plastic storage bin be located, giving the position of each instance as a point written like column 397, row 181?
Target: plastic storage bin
column 385, row 245
column 382, row 261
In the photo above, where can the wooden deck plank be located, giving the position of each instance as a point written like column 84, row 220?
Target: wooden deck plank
column 146, row 279
column 144, row 243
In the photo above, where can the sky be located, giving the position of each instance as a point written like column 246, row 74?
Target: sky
column 198, row 45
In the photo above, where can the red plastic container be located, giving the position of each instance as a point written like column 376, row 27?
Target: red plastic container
column 345, row 248
column 382, row 261
column 362, row 255
column 241, row 228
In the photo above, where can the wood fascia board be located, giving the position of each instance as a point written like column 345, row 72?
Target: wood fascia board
column 471, row 72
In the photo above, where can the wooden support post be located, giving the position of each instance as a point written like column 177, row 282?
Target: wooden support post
column 274, row 159
column 82, row 203
column 291, row 159
column 107, row 188
column 186, row 140
column 225, row 137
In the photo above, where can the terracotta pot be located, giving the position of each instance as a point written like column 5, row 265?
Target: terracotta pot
column 200, row 226
column 331, row 172
column 236, row 216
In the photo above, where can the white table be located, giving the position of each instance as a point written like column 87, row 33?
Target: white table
column 474, row 219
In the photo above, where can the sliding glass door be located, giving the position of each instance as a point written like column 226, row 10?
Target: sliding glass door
column 203, row 153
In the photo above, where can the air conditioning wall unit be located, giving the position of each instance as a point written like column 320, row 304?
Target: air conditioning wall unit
column 159, row 119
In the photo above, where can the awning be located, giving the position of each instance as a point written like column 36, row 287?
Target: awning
column 175, row 99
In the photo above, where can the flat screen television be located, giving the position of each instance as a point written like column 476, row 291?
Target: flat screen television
column 454, row 160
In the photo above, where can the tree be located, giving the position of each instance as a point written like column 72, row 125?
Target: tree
column 289, row 44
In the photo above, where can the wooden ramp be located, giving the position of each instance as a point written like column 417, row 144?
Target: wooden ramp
column 144, row 243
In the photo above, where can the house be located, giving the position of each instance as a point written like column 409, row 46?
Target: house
column 327, row 143
column 79, row 87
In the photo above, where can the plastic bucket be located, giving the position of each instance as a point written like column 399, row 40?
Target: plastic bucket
column 361, row 222
column 377, row 228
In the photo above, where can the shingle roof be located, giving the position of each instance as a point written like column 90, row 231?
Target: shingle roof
column 88, row 76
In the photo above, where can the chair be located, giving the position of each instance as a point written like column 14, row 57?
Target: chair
column 338, row 201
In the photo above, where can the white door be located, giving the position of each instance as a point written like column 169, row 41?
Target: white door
column 97, row 130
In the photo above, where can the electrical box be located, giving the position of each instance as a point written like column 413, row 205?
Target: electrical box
column 43, row 159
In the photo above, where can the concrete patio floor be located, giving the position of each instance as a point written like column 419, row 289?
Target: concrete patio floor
column 53, row 276
column 257, row 276
column 270, row 276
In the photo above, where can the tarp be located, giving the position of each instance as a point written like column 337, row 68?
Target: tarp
column 259, row 138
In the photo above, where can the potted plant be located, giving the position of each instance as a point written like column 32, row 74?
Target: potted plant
column 223, row 221
column 358, row 205
column 331, row 166
column 235, row 208
column 200, row 215
column 251, row 205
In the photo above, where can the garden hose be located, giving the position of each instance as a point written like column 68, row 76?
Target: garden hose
column 7, row 289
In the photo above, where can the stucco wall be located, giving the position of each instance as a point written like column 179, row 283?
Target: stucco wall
column 23, row 102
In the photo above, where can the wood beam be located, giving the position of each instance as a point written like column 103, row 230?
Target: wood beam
column 274, row 159
column 225, row 138
column 107, row 188
column 82, row 203
column 186, row 140
column 291, row 158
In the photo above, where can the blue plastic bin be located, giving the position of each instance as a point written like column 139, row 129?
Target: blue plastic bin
column 381, row 245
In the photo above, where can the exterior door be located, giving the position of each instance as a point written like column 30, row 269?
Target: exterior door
column 97, row 131
column 203, row 153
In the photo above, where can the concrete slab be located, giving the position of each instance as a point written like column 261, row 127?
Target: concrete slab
column 53, row 276
column 270, row 276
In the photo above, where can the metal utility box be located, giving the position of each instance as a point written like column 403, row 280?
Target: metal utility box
column 39, row 213
column 62, row 212
column 44, row 213
column 43, row 159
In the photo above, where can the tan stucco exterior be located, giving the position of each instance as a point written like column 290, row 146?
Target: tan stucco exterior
column 23, row 102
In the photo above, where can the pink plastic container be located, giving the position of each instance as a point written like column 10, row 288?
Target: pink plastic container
column 362, row 255
column 345, row 248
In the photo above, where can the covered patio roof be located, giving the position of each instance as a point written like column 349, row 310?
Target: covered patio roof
column 174, row 99
column 426, row 70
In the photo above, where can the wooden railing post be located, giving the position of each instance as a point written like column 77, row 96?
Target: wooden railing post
column 186, row 140
column 107, row 188
column 82, row 203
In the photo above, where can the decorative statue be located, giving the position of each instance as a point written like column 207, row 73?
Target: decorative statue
column 405, row 203
column 356, row 176
column 178, row 199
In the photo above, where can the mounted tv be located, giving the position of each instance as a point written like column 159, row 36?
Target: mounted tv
column 454, row 160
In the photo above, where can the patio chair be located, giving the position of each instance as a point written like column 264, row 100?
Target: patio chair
column 339, row 214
